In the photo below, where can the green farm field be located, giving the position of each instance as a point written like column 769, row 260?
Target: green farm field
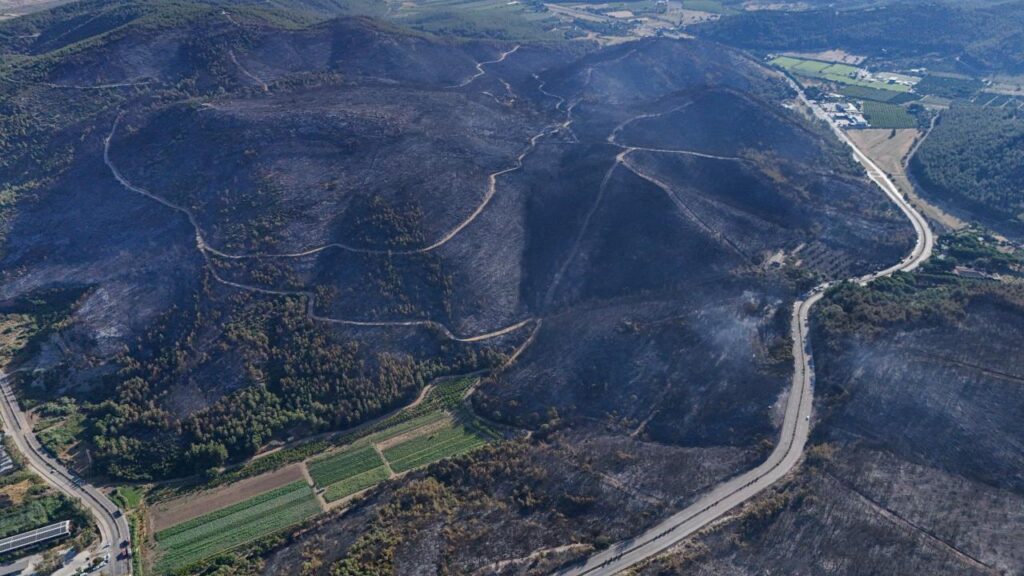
column 881, row 115
column 433, row 431
column 498, row 19
column 344, row 465
column 359, row 466
column 357, row 483
column 713, row 6
column 838, row 73
column 426, row 449
column 206, row 536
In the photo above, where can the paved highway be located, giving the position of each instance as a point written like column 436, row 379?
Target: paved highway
column 112, row 525
column 796, row 425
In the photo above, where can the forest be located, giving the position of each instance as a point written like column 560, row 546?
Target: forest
column 975, row 159
column 297, row 376
column 966, row 39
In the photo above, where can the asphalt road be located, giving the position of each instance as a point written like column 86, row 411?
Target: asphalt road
column 796, row 424
column 113, row 530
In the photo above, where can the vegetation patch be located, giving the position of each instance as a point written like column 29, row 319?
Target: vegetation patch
column 839, row 73
column 974, row 157
column 948, row 86
column 222, row 530
column 357, row 483
column 882, row 115
column 128, row 497
column 445, row 395
column 344, row 465
column 361, row 467
column 445, row 443
column 499, row 19
column 60, row 425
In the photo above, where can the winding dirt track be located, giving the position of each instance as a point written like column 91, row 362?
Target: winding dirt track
column 480, row 67
column 796, row 425
column 259, row 81
column 207, row 250
column 622, row 159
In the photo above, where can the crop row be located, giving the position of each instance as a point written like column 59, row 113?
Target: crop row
column 881, row 115
column 343, row 465
column 220, row 522
column 230, row 510
column 356, row 483
column 431, row 448
column 202, row 543
column 444, row 395
column 865, row 93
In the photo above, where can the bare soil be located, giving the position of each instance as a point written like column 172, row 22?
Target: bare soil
column 840, row 56
column 191, row 506
column 889, row 154
column 414, row 433
column 16, row 492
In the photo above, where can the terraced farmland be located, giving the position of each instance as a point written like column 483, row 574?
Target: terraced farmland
column 222, row 530
column 423, row 450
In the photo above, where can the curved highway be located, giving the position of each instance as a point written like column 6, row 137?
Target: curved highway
column 113, row 526
column 796, row 425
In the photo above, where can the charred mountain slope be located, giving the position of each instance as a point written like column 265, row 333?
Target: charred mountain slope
column 281, row 230
column 660, row 257
column 155, row 182
column 917, row 464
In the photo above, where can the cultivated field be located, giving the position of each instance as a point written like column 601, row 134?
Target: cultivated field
column 178, row 510
column 882, row 115
column 411, row 444
column 865, row 93
column 501, row 18
column 200, row 538
column 357, row 483
column 951, row 86
column 831, row 72
column 840, row 56
column 426, row 449
column 428, row 432
column 438, row 427
column 344, row 465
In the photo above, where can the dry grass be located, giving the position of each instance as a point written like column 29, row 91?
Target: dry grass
column 16, row 492
column 889, row 154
